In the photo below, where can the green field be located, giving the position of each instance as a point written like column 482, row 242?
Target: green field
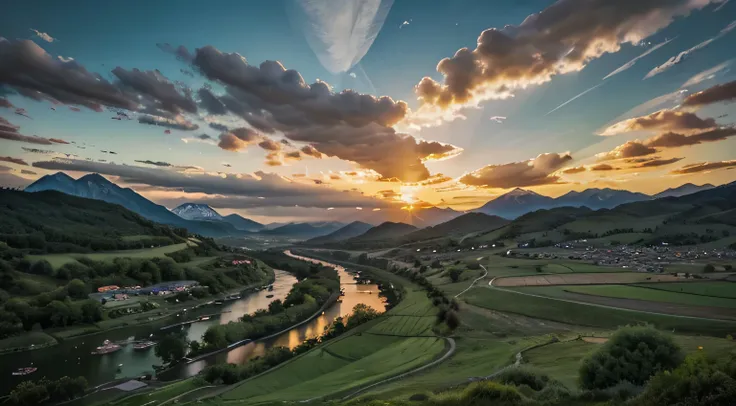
column 155, row 397
column 562, row 360
column 656, row 295
column 714, row 289
column 588, row 315
column 58, row 260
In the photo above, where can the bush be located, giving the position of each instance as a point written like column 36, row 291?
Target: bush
column 484, row 393
column 700, row 380
column 42, row 267
column 632, row 355
column 523, row 376
column 709, row 268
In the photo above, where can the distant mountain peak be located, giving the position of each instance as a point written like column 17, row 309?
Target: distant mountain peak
column 521, row 192
column 196, row 211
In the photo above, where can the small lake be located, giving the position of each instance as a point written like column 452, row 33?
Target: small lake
column 72, row 357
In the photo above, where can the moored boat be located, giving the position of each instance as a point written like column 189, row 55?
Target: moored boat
column 24, row 371
column 144, row 345
column 106, row 348
column 269, row 296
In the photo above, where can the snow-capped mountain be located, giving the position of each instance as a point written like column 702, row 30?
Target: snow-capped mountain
column 195, row 211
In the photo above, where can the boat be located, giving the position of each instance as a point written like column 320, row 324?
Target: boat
column 204, row 318
column 143, row 345
column 107, row 347
column 218, row 302
column 269, row 296
column 25, row 371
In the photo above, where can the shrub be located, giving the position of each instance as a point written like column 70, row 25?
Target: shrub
column 523, row 376
column 700, row 380
column 633, row 355
column 485, row 393
column 42, row 267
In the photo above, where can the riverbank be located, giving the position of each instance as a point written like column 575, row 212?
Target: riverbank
column 30, row 340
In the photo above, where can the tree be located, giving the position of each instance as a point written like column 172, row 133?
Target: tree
column 171, row 348
column 452, row 320
column 361, row 313
column 28, row 393
column 700, row 380
column 42, row 267
column 709, row 268
column 77, row 289
column 455, row 274
column 633, row 354
column 276, row 307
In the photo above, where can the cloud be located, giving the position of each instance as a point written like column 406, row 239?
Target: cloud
column 725, row 92
column 628, row 65
column 652, row 163
column 166, row 164
column 176, row 123
column 561, row 39
column 679, row 58
column 665, row 120
column 180, row 52
column 339, row 33
column 44, row 36
column 573, row 170
column 210, row 102
column 630, row 149
column 160, row 92
column 259, row 189
column 270, row 145
column 498, row 119
column 9, row 131
column 534, row 172
column 603, row 167
column 219, row 127
column 27, row 172
column 707, row 74
column 5, row 103
column 40, row 151
column 704, row 167
column 16, row 161
column 27, row 68
column 311, row 151
column 238, row 139
column 673, row 140
column 347, row 125
column 58, row 141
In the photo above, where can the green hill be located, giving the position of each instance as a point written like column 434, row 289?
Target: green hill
column 460, row 226
column 383, row 232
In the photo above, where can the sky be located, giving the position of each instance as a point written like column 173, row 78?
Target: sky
column 314, row 110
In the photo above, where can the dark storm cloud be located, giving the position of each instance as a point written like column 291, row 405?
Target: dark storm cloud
column 560, row 39
column 347, row 125
column 534, row 172
column 725, row 92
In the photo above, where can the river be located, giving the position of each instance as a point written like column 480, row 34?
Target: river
column 72, row 357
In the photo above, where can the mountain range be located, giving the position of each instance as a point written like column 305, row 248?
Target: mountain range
column 518, row 202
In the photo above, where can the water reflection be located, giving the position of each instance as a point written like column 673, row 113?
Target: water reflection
column 366, row 293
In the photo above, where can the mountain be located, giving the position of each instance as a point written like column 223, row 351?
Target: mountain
column 351, row 230
column 384, row 231
column 418, row 217
column 460, row 226
column 304, row 230
column 683, row 190
column 195, row 211
column 94, row 186
column 242, row 223
column 515, row 203
column 599, row 198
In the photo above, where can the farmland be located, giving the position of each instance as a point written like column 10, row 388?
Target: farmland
column 583, row 279
column 712, row 289
column 643, row 292
column 58, row 260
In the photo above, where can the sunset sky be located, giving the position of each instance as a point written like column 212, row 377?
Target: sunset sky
column 307, row 109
